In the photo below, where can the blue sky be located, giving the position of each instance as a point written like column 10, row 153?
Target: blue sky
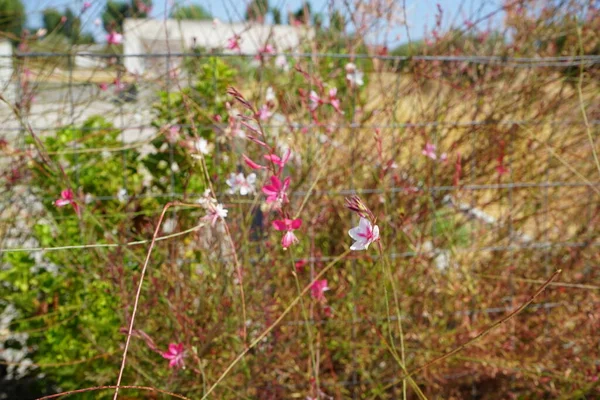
column 421, row 13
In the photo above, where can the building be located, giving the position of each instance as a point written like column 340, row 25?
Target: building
column 142, row 37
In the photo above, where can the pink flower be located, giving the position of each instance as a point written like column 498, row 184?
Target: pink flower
column 364, row 234
column 318, row 289
column 103, row 86
column 118, row 85
column 114, row 38
column 86, row 5
column 288, row 225
column 314, row 99
column 172, row 134
column 175, row 355
column 334, row 101
column 63, row 19
column 268, row 49
column 66, row 198
column 276, row 190
column 233, row 43
column 264, row 113
column 280, row 161
column 501, row 169
column 214, row 212
column 429, row 151
column 444, row 157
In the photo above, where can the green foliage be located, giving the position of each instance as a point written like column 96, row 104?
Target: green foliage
column 69, row 301
column 12, row 17
column 114, row 15
column 51, row 18
column 276, row 14
column 193, row 11
column 302, row 15
column 116, row 12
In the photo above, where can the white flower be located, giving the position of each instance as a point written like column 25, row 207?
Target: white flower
column 41, row 32
column 270, row 95
column 364, row 234
column 169, row 225
column 202, row 146
column 282, row 63
column 241, row 184
column 122, row 195
column 353, row 75
column 206, row 200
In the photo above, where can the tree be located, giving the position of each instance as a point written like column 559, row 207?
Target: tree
column 276, row 13
column 72, row 26
column 51, row 18
column 302, row 15
column 114, row 15
column 257, row 9
column 12, row 17
column 337, row 22
column 116, row 12
column 193, row 11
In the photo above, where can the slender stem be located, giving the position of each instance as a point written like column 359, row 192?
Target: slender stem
column 273, row 325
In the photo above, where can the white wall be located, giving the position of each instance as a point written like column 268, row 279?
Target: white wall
column 147, row 36
column 7, row 85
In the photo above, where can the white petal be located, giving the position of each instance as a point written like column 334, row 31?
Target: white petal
column 364, row 225
column 359, row 245
column 375, row 233
column 354, row 233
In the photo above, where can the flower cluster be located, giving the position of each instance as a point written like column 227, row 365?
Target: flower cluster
column 276, row 187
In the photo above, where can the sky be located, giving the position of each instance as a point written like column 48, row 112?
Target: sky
column 421, row 13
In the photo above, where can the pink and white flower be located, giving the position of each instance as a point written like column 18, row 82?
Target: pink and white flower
column 334, row 101
column 172, row 134
column 264, row 113
column 314, row 100
column 241, row 184
column 289, row 226
column 318, row 289
column 282, row 63
column 276, row 191
column 86, row 5
column 175, row 355
column 364, row 234
column 214, row 212
column 114, row 38
column 233, row 43
column 66, row 198
column 429, row 151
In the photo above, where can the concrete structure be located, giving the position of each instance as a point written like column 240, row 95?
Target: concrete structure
column 7, row 84
column 148, row 36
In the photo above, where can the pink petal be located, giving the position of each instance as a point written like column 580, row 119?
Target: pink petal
column 279, row 225
column 251, row 163
column 297, row 223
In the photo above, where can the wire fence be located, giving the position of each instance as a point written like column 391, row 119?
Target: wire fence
column 521, row 212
